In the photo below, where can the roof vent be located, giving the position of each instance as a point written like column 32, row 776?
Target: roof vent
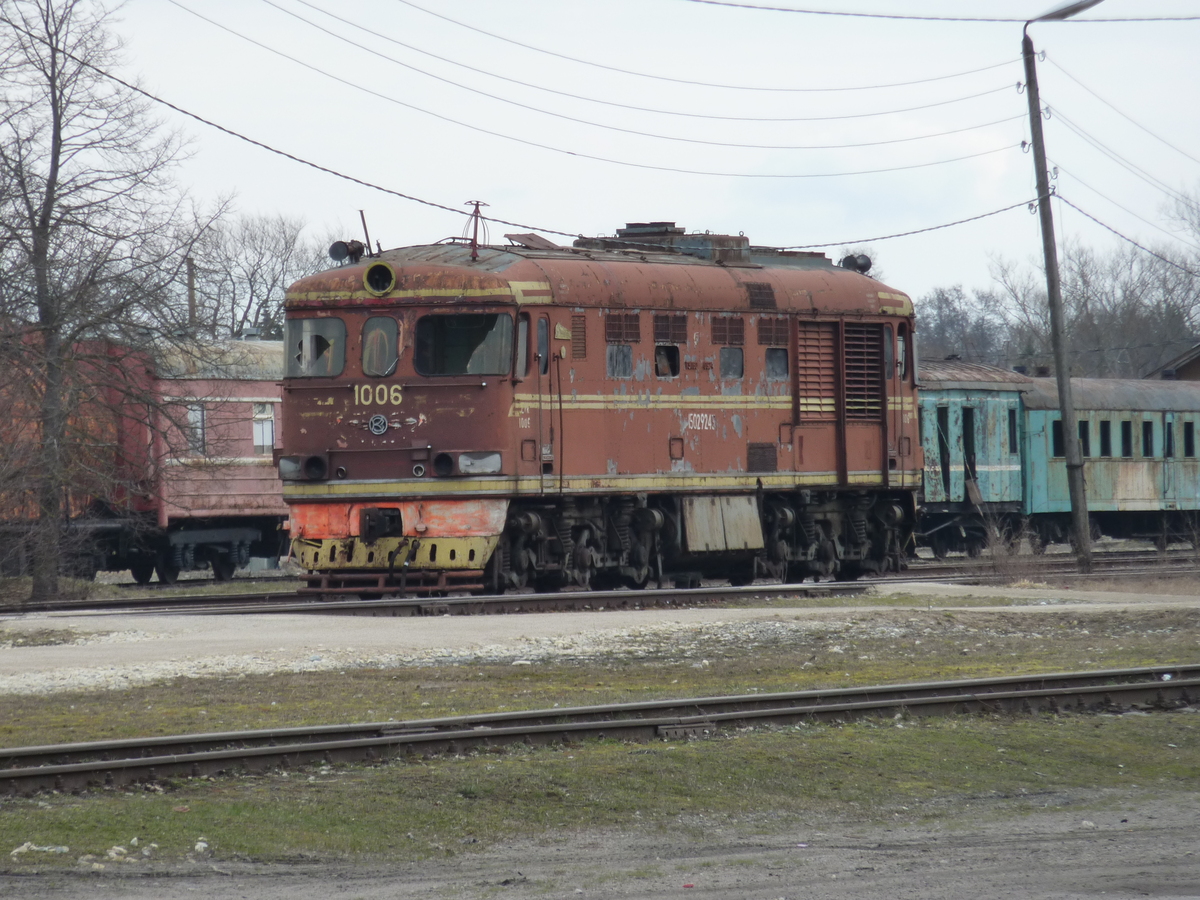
column 1167, row 374
column 642, row 228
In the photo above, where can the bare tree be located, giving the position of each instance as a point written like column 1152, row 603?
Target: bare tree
column 955, row 324
column 243, row 266
column 1126, row 312
column 89, row 249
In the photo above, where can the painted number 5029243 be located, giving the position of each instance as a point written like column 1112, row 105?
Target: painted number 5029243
column 377, row 394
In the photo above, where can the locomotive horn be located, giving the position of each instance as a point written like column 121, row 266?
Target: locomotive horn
column 342, row 250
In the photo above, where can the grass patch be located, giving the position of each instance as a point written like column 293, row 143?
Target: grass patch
column 42, row 637
column 762, row 780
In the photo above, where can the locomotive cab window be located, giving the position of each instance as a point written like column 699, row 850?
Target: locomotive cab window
column 732, row 362
column 316, row 347
column 902, row 350
column 521, row 366
column 463, row 344
column 1056, row 438
column 776, row 364
column 380, row 346
column 666, row 361
column 543, row 345
column 621, row 331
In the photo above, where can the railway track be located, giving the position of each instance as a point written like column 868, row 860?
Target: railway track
column 968, row 571
column 75, row 767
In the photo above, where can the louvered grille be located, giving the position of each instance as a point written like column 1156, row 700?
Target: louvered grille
column 578, row 337
column 761, row 458
column 729, row 330
column 761, row 295
column 816, row 371
column 623, row 328
column 772, row 332
column 670, row 329
column 864, row 371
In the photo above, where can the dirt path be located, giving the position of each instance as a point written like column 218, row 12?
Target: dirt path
column 1080, row 846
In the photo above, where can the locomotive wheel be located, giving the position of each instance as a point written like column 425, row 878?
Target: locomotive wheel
column 741, row 574
column 848, row 572
column 142, row 570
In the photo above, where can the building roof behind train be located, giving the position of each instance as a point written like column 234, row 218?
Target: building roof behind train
column 234, row 360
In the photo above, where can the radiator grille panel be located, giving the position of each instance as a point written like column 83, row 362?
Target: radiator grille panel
column 816, row 371
column 864, row 371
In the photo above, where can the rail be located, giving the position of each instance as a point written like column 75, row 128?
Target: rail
column 73, row 767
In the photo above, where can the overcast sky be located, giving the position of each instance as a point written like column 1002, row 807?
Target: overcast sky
column 857, row 127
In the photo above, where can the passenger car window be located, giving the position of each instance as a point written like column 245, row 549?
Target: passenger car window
column 466, row 344
column 315, row 347
column 380, row 346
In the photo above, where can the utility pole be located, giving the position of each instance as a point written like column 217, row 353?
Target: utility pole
column 1070, row 427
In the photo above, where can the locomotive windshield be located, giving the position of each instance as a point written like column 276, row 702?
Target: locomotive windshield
column 463, row 344
column 380, row 346
column 315, row 347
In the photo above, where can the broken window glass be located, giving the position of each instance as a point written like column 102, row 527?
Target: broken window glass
column 316, row 347
column 468, row 344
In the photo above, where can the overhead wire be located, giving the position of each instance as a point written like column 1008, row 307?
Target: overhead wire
column 1116, row 157
column 351, row 178
column 1126, row 238
column 1123, row 115
column 619, row 70
column 919, row 18
column 888, row 237
column 631, row 131
column 629, row 106
column 1126, row 209
column 577, row 154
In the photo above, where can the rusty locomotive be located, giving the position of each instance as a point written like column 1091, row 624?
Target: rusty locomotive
column 656, row 405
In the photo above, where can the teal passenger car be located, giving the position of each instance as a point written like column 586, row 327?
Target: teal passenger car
column 994, row 457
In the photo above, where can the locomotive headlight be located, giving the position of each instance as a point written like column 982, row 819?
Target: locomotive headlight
column 303, row 468
column 290, row 468
column 479, row 463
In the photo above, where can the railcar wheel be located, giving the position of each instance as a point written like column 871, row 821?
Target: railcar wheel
column 168, row 573
column 223, row 567
column 142, row 571
column 938, row 546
